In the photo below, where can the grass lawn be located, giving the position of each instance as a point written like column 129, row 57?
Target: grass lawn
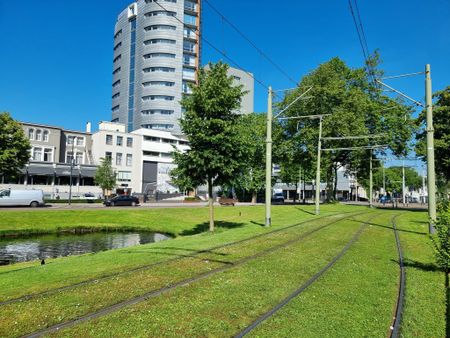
column 356, row 297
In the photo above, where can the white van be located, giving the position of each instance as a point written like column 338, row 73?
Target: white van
column 32, row 198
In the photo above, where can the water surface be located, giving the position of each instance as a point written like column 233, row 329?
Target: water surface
column 60, row 245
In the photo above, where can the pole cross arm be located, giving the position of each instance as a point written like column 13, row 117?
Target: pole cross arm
column 290, row 104
column 356, row 148
column 358, row 137
column 400, row 93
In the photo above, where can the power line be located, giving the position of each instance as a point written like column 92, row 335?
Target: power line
column 362, row 37
column 216, row 49
column 224, row 18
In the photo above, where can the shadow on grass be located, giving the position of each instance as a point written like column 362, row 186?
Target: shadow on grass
column 256, row 223
column 305, row 211
column 203, row 227
column 401, row 230
column 432, row 267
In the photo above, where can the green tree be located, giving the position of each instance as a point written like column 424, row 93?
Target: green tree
column 14, row 146
column 357, row 107
column 441, row 123
column 251, row 177
column 210, row 123
column 393, row 177
column 105, row 176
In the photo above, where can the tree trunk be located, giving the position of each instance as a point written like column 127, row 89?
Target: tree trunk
column 211, row 204
column 254, row 197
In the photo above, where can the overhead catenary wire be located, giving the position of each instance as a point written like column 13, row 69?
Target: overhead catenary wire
column 246, row 38
column 200, row 36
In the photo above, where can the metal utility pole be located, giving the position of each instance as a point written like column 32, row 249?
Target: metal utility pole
column 403, row 183
column 269, row 160
column 71, row 170
column 430, row 151
column 370, row 182
column 384, row 181
column 319, row 146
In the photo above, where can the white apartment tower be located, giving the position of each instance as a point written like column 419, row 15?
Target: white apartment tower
column 156, row 55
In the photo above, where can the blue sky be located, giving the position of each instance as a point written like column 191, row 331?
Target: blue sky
column 56, row 56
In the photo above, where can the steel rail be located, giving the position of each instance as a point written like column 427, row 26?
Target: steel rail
column 154, row 293
column 303, row 287
column 394, row 329
column 151, row 265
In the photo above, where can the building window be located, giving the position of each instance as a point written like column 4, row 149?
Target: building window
column 124, row 176
column 118, row 158
column 69, row 157
column 160, row 27
column 38, row 135
column 37, row 154
column 157, row 111
column 159, row 69
column 160, row 13
column 189, row 60
column 115, row 108
column 117, row 58
column 156, row 41
column 117, row 70
column 109, row 140
column 118, row 34
column 188, row 73
column 190, row 19
column 189, row 33
column 115, row 84
column 158, row 84
column 116, row 95
column 186, row 88
column 117, row 46
column 119, row 140
column 48, row 155
column 152, row 139
column 158, row 98
column 108, row 155
column 79, row 158
column 151, row 153
column 45, row 136
column 129, row 142
column 190, row 6
column 189, row 46
column 129, row 160
column 237, row 78
column 159, row 55
column 158, row 126
column 31, row 134
column 166, row 140
column 70, row 140
column 150, row 1
column 80, row 141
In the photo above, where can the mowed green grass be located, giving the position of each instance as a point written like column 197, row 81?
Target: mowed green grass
column 174, row 221
column 356, row 297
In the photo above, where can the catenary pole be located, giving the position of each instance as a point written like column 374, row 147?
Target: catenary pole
column 430, row 151
column 319, row 146
column 370, row 182
column 403, row 184
column 269, row 159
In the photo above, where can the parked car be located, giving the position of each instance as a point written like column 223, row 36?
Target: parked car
column 121, row 200
column 32, row 198
column 88, row 196
column 385, row 199
column 278, row 197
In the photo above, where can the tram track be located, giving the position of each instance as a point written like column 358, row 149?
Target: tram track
column 157, row 292
column 166, row 261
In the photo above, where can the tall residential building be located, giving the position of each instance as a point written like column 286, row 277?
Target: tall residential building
column 155, row 57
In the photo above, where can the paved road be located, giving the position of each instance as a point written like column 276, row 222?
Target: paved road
column 94, row 206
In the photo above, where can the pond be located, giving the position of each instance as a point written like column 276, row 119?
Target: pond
column 60, row 245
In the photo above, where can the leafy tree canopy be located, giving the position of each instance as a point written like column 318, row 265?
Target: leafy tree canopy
column 210, row 123
column 14, row 146
column 441, row 125
column 105, row 176
column 357, row 107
